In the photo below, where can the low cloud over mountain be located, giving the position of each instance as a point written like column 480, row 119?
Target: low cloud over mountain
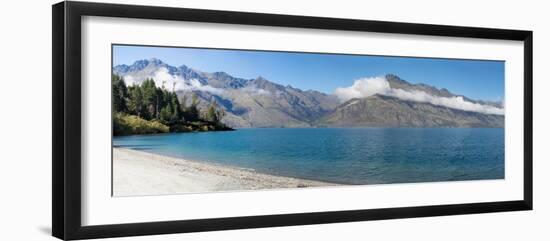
column 162, row 77
column 379, row 101
column 247, row 102
column 366, row 87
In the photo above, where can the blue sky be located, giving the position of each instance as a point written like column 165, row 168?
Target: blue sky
column 476, row 79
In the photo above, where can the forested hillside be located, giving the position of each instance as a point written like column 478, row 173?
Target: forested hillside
column 148, row 109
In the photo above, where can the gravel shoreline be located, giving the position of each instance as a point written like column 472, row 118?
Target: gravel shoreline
column 140, row 173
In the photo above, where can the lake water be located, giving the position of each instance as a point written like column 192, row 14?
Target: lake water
column 342, row 155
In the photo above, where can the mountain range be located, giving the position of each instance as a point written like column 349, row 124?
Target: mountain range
column 259, row 102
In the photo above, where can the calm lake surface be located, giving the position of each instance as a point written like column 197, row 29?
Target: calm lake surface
column 342, row 155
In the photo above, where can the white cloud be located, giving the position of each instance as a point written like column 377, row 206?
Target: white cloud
column 129, row 80
column 162, row 77
column 255, row 91
column 362, row 88
column 378, row 85
column 194, row 84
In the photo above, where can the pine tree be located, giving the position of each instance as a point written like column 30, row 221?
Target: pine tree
column 120, row 94
column 150, row 99
column 220, row 113
column 176, row 107
column 166, row 114
column 194, row 112
column 184, row 103
column 211, row 112
column 136, row 101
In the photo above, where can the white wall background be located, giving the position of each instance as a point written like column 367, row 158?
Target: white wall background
column 25, row 122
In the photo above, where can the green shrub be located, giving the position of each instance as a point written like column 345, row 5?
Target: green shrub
column 124, row 124
column 180, row 128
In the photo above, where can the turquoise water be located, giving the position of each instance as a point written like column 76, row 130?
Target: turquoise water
column 342, row 155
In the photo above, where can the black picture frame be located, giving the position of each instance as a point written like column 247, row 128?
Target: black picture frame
column 66, row 127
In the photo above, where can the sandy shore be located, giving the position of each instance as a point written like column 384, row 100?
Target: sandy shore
column 142, row 173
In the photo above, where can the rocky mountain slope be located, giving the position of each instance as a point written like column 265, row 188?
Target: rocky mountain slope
column 259, row 102
column 385, row 111
column 247, row 102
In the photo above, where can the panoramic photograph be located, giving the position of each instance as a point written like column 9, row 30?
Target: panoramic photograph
column 201, row 120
